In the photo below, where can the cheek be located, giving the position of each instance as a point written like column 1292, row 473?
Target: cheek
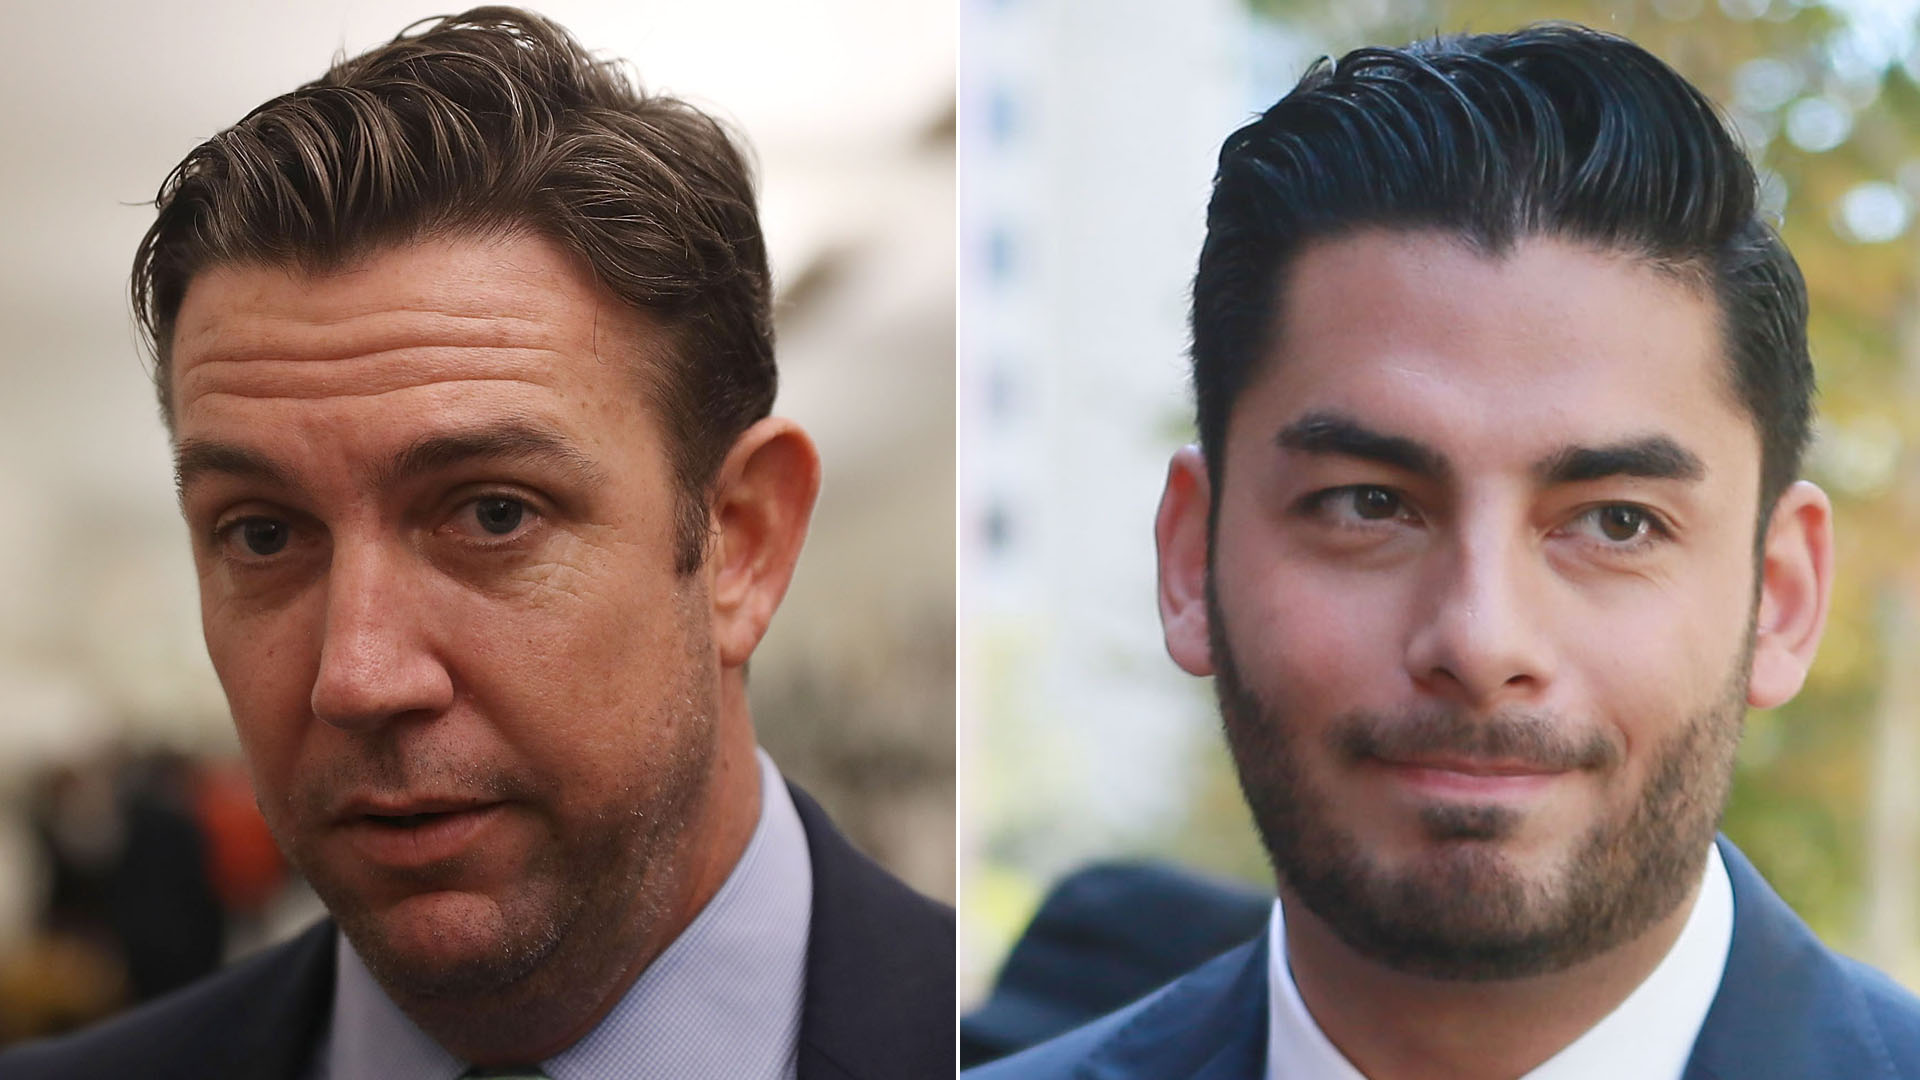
column 584, row 663
column 1324, row 641
column 266, row 663
column 1659, row 668
column 1647, row 662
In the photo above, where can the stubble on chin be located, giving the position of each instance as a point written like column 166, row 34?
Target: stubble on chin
column 585, row 902
column 465, row 946
column 1463, row 910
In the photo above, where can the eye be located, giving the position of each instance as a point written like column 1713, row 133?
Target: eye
column 1374, row 503
column 1620, row 524
column 1357, row 503
column 492, row 519
column 256, row 537
column 498, row 515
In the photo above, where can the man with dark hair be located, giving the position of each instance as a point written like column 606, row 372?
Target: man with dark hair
column 466, row 354
column 1491, row 538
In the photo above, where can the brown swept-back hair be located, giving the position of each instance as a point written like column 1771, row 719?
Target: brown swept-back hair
column 493, row 121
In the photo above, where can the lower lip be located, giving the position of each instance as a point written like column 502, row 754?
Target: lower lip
column 1448, row 784
column 436, row 840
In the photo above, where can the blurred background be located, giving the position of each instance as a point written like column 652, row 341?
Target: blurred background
column 1088, row 139
column 119, row 776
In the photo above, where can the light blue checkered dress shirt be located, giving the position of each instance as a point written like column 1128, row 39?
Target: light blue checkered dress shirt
column 722, row 1001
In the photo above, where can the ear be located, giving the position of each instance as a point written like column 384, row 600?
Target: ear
column 1796, row 582
column 1180, row 537
column 762, row 501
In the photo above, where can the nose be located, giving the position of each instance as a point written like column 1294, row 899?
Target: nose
column 1477, row 637
column 377, row 662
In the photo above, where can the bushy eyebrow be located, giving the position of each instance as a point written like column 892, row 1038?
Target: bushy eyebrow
column 1653, row 457
column 505, row 441
column 1331, row 433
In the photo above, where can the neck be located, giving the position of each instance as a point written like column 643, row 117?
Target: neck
column 583, row 980
column 1392, row 1025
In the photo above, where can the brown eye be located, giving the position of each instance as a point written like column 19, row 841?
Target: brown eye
column 1622, row 523
column 1374, row 503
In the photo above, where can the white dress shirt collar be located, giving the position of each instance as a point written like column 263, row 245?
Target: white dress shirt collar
column 1650, row 1035
column 724, row 999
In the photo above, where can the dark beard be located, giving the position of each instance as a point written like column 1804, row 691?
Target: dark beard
column 1463, row 912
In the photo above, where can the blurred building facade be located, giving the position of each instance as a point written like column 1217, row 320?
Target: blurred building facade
column 1087, row 148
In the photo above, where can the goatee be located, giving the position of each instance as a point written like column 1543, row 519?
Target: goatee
column 1464, row 910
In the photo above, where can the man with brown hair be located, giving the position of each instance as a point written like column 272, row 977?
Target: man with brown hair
column 466, row 356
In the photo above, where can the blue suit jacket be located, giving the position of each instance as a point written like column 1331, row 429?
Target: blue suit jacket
column 1787, row 1008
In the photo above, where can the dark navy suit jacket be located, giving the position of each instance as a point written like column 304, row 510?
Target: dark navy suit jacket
column 1787, row 1009
column 879, row 997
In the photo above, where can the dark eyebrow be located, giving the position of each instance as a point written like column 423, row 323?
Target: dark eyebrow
column 194, row 458
column 1655, row 457
column 512, row 440
column 1337, row 433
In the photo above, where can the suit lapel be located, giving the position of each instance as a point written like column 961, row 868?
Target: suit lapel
column 880, row 968
column 1210, row 1025
column 1785, row 1008
column 278, row 1016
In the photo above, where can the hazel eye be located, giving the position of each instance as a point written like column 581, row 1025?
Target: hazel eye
column 499, row 516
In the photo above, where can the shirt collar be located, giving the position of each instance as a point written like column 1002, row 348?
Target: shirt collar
column 1650, row 1034
column 723, row 999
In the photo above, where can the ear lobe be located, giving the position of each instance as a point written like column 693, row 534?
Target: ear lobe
column 1796, row 583
column 762, row 501
column 1180, row 538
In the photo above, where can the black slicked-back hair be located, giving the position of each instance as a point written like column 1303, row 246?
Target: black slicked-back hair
column 1553, row 130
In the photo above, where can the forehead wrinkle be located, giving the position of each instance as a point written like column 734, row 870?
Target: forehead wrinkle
column 426, row 344
column 238, row 328
column 374, row 308
column 365, row 376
